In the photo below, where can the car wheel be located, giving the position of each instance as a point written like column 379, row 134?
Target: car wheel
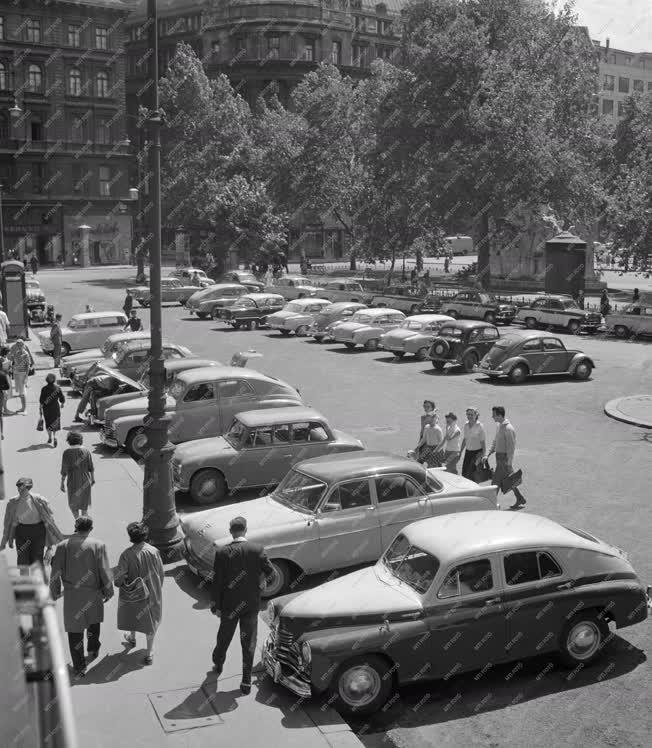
column 215, row 313
column 452, row 313
column 301, row 296
column 301, row 331
column 248, row 325
column 440, row 348
column 65, row 349
column 621, row 331
column 518, row 374
column 421, row 354
column 582, row 639
column 201, row 315
column 208, row 486
column 350, row 346
column 284, row 332
column 414, row 308
column 530, row 323
column 183, row 302
column 371, row 345
column 363, row 685
column 583, row 370
column 136, row 443
column 469, row 361
column 439, row 365
column 490, row 317
column 399, row 354
column 573, row 327
column 279, row 582
column 237, row 325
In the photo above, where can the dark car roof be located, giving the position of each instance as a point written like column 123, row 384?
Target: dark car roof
column 331, row 468
column 467, row 324
column 530, row 334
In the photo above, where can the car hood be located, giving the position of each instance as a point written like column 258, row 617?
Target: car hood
column 280, row 316
column 138, row 405
column 401, row 334
column 497, row 354
column 203, row 449
column 91, row 355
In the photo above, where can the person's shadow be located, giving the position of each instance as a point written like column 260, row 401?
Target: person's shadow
column 34, row 447
column 111, row 667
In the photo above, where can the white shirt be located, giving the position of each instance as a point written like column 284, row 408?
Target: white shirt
column 474, row 435
column 4, row 326
column 453, row 438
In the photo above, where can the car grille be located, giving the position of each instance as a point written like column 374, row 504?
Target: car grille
column 286, row 650
column 108, row 431
column 176, row 471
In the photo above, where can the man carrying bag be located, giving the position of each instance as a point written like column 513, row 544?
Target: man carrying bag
column 504, row 447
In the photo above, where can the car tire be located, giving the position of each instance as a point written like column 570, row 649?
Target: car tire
column 65, row 349
column 301, row 296
column 518, row 374
column 301, row 331
column 248, row 325
column 414, row 309
column 583, row 370
column 215, row 313
column 621, row 331
column 573, row 327
column 490, row 317
column 201, row 315
column 183, row 302
column 421, row 354
column 439, row 365
column 370, row 672
column 371, row 344
column 452, row 313
column 582, row 639
column 470, row 360
column 440, row 348
column 399, row 354
column 284, row 332
column 280, row 582
column 136, row 443
column 531, row 323
column 350, row 346
column 237, row 325
column 208, row 486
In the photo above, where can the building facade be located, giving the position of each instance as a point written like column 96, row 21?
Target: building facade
column 63, row 159
column 622, row 74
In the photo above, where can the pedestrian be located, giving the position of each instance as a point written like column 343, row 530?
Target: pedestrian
column 636, row 296
column 128, row 304
column 56, row 339
column 140, row 575
column 30, row 523
column 195, row 279
column 473, row 443
column 25, row 263
column 5, row 387
column 89, row 309
column 22, row 366
column 238, row 572
column 77, row 474
column 447, row 263
column 34, row 264
column 579, row 299
column 452, row 444
column 95, row 388
column 50, row 403
column 81, row 570
column 283, row 259
column 4, row 327
column 413, row 276
column 605, row 306
column 504, row 446
column 431, row 438
column 134, row 323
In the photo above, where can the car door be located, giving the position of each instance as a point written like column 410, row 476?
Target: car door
column 556, row 358
column 235, row 395
column 197, row 415
column 487, row 339
column 400, row 501
column 107, row 326
column 553, row 313
column 466, row 617
column 95, row 335
column 532, row 351
column 349, row 529
column 309, row 439
column 264, row 457
column 134, row 363
column 167, row 291
column 477, row 306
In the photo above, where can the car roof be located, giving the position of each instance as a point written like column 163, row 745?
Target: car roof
column 192, row 376
column 221, row 286
column 339, row 305
column 331, row 468
column 466, row 534
column 97, row 315
column 139, row 335
column 530, row 334
column 259, row 296
column 467, row 324
column 311, row 300
column 295, row 277
column 268, row 416
column 560, row 296
column 379, row 311
column 431, row 317
column 183, row 364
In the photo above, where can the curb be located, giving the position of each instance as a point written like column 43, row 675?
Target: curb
column 613, row 410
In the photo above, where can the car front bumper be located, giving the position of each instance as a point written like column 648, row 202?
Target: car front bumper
column 108, row 438
column 488, row 371
column 275, row 669
column 195, row 564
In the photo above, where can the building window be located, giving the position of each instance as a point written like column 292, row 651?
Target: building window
column 386, row 28
column 105, row 181
column 273, row 47
column 612, row 59
column 80, row 177
column 384, row 53
column 607, row 106
column 371, row 25
column 623, row 85
column 2, row 27
column 627, row 61
column 240, row 46
column 76, row 129
column 336, row 53
column 74, row 82
column 638, row 86
column 358, row 23
column 308, row 52
column 38, row 177
column 641, row 64
column 357, row 56
column 33, row 30
column 101, row 37
column 621, row 108
column 4, row 127
column 36, row 128
column 102, row 131
column 102, row 84
column 4, row 77
column 215, row 47
column 74, row 35
column 609, row 83
column 34, row 79
column 649, row 86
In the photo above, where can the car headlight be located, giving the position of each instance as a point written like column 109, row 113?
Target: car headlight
column 271, row 612
column 306, row 653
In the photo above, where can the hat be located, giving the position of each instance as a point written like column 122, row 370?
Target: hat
column 238, row 523
column 452, row 416
column 28, row 482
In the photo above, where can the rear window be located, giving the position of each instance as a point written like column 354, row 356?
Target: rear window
column 451, row 332
column 361, row 318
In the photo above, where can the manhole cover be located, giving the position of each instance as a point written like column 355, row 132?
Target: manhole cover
column 184, row 709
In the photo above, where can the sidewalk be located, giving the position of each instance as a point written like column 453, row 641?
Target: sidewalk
column 175, row 702
column 635, row 410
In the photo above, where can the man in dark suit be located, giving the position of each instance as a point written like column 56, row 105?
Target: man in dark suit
column 239, row 570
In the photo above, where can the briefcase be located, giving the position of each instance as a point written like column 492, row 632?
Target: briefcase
column 483, row 472
column 513, row 480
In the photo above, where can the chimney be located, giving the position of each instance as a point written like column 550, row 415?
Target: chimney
column 606, row 51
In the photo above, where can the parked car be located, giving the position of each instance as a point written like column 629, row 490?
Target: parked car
column 245, row 278
column 252, row 310
column 345, row 289
column 34, row 299
column 434, row 299
column 84, row 360
column 462, row 343
column 258, row 450
column 534, row 354
column 453, row 594
column 293, row 287
column 366, row 326
column 297, row 316
column 187, row 275
column 322, row 325
column 415, row 335
column 558, row 311
column 133, row 361
column 83, row 331
column 634, row 319
column 333, row 512
column 200, row 403
column 404, row 298
column 172, row 291
column 172, row 367
column 209, row 302
column 479, row 305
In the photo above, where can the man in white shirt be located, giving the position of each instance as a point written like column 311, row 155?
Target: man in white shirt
column 504, row 447
column 452, row 443
column 4, row 328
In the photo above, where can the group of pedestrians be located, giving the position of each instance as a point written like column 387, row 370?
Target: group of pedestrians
column 443, row 446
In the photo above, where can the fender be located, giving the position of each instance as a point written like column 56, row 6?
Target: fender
column 579, row 358
column 122, row 426
column 510, row 363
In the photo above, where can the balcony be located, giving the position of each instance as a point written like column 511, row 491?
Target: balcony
column 16, row 145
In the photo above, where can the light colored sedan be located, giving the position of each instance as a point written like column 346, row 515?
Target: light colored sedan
column 333, row 512
column 88, row 330
column 297, row 316
column 634, row 319
column 112, row 344
column 210, row 301
column 172, row 291
column 293, row 287
column 415, row 335
column 366, row 327
column 258, row 450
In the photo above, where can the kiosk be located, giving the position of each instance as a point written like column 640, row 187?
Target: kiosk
column 14, row 298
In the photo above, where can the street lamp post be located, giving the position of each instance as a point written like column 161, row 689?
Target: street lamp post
column 2, row 230
column 159, row 512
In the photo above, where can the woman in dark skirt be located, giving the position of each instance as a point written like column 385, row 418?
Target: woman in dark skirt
column 50, row 402
column 431, row 438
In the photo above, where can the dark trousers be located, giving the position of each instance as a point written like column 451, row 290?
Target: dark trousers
column 56, row 354
column 468, row 465
column 76, row 643
column 30, row 543
column 248, row 621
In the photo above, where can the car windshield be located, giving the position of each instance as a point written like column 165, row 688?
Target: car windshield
column 451, row 332
column 569, row 304
column 412, row 565
column 412, row 324
column 294, row 307
column 247, row 278
column 122, row 352
column 361, row 318
column 236, row 433
column 300, row 492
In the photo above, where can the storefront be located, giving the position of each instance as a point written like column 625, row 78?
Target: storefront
column 110, row 238
column 33, row 231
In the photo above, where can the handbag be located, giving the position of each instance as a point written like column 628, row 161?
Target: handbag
column 30, row 372
column 134, row 592
column 39, row 425
column 513, row 480
column 483, row 472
